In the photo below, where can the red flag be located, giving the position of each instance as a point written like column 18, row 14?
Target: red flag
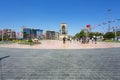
column 88, row 26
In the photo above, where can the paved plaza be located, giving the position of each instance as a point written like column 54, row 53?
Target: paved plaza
column 56, row 44
column 59, row 64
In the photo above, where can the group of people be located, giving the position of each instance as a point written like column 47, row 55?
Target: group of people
column 84, row 40
column 94, row 39
column 64, row 40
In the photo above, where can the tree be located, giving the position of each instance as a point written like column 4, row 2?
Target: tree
column 97, row 34
column 109, row 35
column 118, row 33
column 82, row 33
column 91, row 34
column 77, row 35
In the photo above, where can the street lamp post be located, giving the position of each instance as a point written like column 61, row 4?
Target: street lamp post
column 2, row 35
column 115, row 33
column 114, row 30
column 1, row 77
column 109, row 11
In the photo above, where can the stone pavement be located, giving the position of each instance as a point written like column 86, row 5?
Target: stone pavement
column 74, row 64
column 56, row 44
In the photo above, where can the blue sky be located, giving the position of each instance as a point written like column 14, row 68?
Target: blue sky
column 49, row 14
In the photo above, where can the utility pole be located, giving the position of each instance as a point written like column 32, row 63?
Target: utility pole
column 1, row 72
column 109, row 11
column 115, row 33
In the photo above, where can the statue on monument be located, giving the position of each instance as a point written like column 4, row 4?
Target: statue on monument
column 63, row 31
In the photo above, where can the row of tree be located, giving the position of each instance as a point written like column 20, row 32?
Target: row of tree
column 82, row 33
column 107, row 35
column 110, row 35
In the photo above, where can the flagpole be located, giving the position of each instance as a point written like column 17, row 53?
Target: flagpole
column 109, row 11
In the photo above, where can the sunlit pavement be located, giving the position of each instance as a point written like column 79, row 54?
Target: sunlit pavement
column 56, row 44
column 75, row 64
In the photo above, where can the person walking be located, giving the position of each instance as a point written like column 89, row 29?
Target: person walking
column 95, row 40
column 70, row 40
column 92, row 40
column 64, row 39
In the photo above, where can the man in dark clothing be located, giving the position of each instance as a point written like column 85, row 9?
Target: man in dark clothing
column 64, row 39
column 95, row 40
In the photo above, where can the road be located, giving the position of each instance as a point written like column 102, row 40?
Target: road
column 77, row 64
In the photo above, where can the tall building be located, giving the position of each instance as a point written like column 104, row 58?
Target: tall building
column 26, row 33
column 52, row 35
column 9, row 33
column 29, row 33
column 37, row 33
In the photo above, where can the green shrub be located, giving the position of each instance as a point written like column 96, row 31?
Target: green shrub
column 108, row 40
column 30, row 40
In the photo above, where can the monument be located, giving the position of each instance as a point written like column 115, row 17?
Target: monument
column 63, row 31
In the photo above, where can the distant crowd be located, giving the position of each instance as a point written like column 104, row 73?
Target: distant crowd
column 83, row 40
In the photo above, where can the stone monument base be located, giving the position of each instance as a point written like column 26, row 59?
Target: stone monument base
column 62, row 36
